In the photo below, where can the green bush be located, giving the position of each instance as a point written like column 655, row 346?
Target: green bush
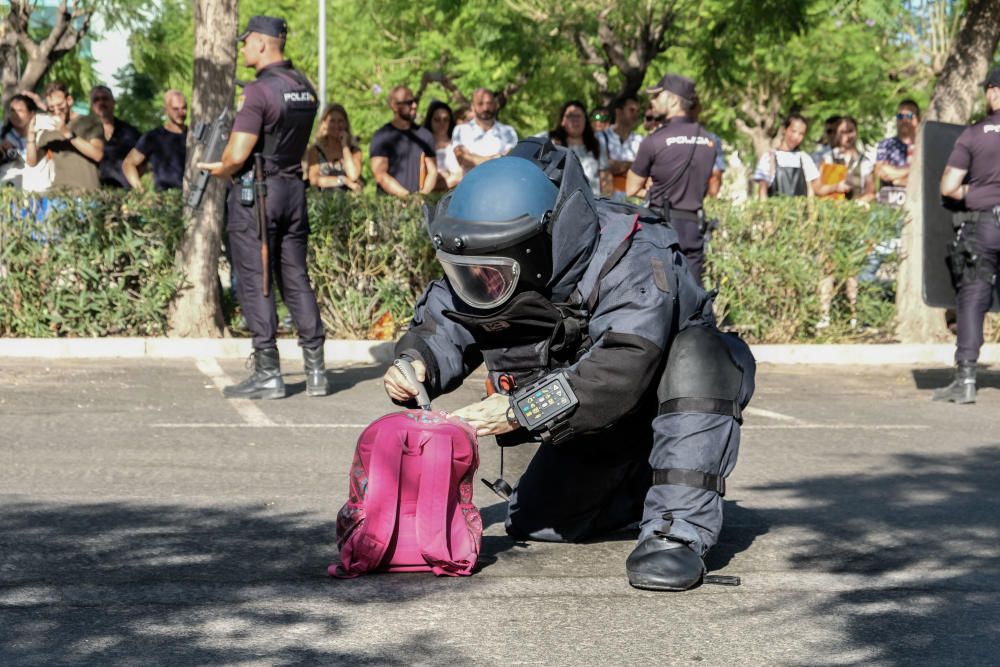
column 767, row 258
column 105, row 265
column 91, row 266
column 369, row 260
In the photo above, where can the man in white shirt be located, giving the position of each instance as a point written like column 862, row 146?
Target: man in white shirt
column 483, row 138
column 621, row 143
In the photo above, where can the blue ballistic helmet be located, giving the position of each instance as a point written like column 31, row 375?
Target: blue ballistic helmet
column 491, row 234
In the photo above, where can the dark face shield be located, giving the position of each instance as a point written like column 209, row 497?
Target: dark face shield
column 481, row 282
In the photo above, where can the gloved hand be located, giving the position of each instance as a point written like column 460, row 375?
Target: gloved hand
column 489, row 416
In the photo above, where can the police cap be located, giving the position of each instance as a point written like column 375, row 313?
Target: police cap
column 676, row 84
column 993, row 79
column 271, row 26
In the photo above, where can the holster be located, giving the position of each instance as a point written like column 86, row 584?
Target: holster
column 706, row 225
column 964, row 263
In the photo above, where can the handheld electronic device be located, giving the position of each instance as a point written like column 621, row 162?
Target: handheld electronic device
column 540, row 404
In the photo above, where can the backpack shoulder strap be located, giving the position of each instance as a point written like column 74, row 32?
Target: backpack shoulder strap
column 433, row 496
column 381, row 506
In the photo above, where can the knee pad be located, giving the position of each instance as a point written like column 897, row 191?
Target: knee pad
column 702, row 374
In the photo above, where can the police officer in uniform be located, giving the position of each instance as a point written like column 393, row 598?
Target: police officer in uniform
column 590, row 306
column 973, row 174
column 679, row 157
column 274, row 120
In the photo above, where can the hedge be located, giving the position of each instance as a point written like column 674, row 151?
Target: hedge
column 104, row 265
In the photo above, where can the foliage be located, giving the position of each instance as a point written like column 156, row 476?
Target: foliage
column 755, row 61
column 369, row 259
column 768, row 258
column 104, row 264
column 162, row 58
column 88, row 266
column 831, row 59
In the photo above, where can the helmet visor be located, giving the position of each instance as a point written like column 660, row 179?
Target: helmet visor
column 481, row 282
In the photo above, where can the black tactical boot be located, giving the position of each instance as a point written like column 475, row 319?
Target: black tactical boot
column 963, row 388
column 264, row 382
column 316, row 382
column 659, row 563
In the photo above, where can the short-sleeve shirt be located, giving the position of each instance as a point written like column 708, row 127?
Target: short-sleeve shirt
column 720, row 155
column 859, row 169
column 894, row 151
column 405, row 151
column 279, row 106
column 618, row 149
column 72, row 169
column 497, row 140
column 166, row 152
column 18, row 173
column 447, row 163
column 765, row 171
column 122, row 140
column 978, row 152
column 665, row 151
column 592, row 165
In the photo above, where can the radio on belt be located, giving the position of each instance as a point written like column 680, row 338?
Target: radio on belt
column 539, row 404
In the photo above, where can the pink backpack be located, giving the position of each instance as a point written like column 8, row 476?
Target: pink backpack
column 410, row 505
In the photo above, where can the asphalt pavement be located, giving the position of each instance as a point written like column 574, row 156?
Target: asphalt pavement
column 146, row 520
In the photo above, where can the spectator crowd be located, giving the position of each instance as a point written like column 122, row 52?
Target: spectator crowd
column 47, row 146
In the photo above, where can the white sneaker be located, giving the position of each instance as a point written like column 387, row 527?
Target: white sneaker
column 823, row 323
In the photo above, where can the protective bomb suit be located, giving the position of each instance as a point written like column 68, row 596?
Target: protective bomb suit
column 541, row 280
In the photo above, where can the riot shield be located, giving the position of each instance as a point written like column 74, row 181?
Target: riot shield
column 938, row 140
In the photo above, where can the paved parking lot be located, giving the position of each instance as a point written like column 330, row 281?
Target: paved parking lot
column 146, row 520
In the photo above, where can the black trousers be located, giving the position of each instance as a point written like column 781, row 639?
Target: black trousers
column 976, row 295
column 692, row 240
column 287, row 236
column 585, row 488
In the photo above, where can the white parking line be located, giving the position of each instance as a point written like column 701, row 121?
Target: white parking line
column 269, row 425
column 251, row 414
column 856, row 427
column 760, row 412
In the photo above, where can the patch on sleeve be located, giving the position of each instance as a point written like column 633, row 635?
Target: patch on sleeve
column 660, row 275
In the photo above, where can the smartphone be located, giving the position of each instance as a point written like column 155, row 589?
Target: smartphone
column 44, row 121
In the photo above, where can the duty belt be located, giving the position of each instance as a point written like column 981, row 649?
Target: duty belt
column 668, row 213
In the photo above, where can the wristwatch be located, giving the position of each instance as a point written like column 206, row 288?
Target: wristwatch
column 340, row 180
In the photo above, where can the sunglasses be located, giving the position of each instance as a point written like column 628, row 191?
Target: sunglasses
column 908, row 115
column 600, row 118
column 406, row 103
column 650, row 118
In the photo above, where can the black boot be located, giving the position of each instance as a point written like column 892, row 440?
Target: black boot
column 316, row 382
column 963, row 388
column 264, row 382
column 659, row 563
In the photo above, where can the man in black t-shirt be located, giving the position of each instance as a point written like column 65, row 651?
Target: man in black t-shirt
column 119, row 137
column 165, row 147
column 973, row 174
column 402, row 153
column 678, row 157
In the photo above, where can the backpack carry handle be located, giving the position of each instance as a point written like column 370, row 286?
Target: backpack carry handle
column 406, row 368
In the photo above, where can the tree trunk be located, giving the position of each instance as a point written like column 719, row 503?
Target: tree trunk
column 71, row 24
column 197, row 310
column 10, row 68
column 759, row 136
column 953, row 100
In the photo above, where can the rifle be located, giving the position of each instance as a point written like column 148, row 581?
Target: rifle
column 260, row 197
column 214, row 138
